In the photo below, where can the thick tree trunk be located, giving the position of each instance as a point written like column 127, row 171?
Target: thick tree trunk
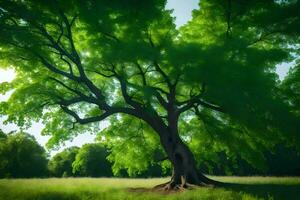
column 185, row 172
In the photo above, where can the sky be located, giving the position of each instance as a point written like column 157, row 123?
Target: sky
column 182, row 10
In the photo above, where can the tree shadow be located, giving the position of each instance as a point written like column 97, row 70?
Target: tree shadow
column 268, row 191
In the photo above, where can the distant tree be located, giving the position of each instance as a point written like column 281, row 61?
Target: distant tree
column 189, row 93
column 91, row 161
column 2, row 162
column 155, row 170
column 291, row 87
column 2, row 135
column 21, row 156
column 61, row 163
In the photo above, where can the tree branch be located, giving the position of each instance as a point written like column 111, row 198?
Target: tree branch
column 55, row 69
column 85, row 120
column 102, row 74
column 69, row 34
column 111, row 111
column 196, row 101
column 262, row 37
column 82, row 96
column 163, row 74
column 126, row 96
column 142, row 73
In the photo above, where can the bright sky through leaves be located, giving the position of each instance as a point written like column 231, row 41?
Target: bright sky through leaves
column 6, row 75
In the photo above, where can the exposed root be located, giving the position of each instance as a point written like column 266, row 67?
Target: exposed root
column 171, row 186
column 158, row 187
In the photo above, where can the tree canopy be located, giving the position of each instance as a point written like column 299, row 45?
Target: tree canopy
column 209, row 86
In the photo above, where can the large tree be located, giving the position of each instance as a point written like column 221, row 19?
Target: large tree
column 210, row 85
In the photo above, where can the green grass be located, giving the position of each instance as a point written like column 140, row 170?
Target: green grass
column 246, row 188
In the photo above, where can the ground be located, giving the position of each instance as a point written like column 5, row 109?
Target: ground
column 245, row 188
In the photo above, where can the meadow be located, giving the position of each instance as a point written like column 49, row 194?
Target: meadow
column 245, row 188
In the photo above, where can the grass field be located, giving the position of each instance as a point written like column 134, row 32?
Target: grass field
column 246, row 188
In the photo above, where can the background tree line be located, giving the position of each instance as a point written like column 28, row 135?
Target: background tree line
column 22, row 157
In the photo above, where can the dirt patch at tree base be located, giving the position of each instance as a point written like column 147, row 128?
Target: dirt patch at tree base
column 167, row 189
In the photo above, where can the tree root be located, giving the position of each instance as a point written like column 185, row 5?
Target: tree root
column 177, row 187
column 172, row 187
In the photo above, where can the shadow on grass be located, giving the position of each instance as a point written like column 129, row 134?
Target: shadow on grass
column 268, row 191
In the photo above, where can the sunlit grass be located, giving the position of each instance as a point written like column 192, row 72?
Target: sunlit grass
column 114, row 188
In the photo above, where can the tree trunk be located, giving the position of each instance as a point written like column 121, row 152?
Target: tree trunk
column 185, row 172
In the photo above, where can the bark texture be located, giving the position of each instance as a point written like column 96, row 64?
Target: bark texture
column 185, row 172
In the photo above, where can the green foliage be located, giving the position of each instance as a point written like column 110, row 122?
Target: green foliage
column 238, row 66
column 2, row 135
column 93, row 59
column 21, row 156
column 133, row 145
column 233, row 49
column 61, row 163
column 91, row 161
column 291, row 88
